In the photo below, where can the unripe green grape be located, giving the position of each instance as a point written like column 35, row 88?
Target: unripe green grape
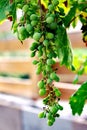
column 42, row 92
column 49, row 116
column 35, row 62
column 29, row 13
column 15, row 25
column 33, row 17
column 48, row 68
column 34, row 46
column 29, row 28
column 50, row 122
column 41, row 84
column 40, row 53
column 21, row 37
column 37, row 36
column 54, row 76
column 22, row 30
column 60, row 107
column 49, row 81
column 51, row 55
column 33, row 54
column 46, row 100
column 44, row 73
column 46, row 42
column 47, row 15
column 53, row 109
column 57, row 92
column 19, row 6
column 52, row 15
column 41, row 115
column 34, row 23
column 50, row 62
column 53, row 25
column 40, row 47
column 50, row 19
column 39, row 69
column 25, row 8
column 55, row 2
column 50, row 7
column 52, row 119
column 50, row 36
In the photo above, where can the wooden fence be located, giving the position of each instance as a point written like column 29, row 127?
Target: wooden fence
column 28, row 88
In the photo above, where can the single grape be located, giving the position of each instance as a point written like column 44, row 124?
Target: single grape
column 49, row 122
column 33, row 17
column 34, row 23
column 55, row 2
column 60, row 107
column 53, row 25
column 46, row 100
column 21, row 37
column 19, row 6
column 50, row 62
column 53, row 109
column 34, row 46
column 37, row 36
column 49, row 81
column 29, row 28
column 25, row 8
column 33, row 54
column 41, row 115
column 42, row 91
column 39, row 69
column 57, row 92
column 51, row 7
column 46, row 42
column 22, row 30
column 35, row 62
column 41, row 84
column 40, row 53
column 50, row 19
column 50, row 36
column 54, row 76
column 48, row 68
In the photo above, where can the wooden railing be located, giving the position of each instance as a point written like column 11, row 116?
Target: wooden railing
column 28, row 88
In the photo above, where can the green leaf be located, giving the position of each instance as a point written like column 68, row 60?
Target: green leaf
column 13, row 11
column 70, row 16
column 76, row 79
column 4, row 9
column 77, row 100
column 81, row 70
column 63, row 46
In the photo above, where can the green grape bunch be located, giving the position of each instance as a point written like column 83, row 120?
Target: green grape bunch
column 40, row 25
column 46, row 21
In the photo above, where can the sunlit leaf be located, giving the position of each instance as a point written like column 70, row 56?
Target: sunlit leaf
column 77, row 100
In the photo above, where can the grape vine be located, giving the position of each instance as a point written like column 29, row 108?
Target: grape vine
column 46, row 21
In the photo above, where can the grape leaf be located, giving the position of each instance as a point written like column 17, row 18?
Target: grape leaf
column 70, row 16
column 13, row 11
column 4, row 7
column 63, row 47
column 77, row 100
